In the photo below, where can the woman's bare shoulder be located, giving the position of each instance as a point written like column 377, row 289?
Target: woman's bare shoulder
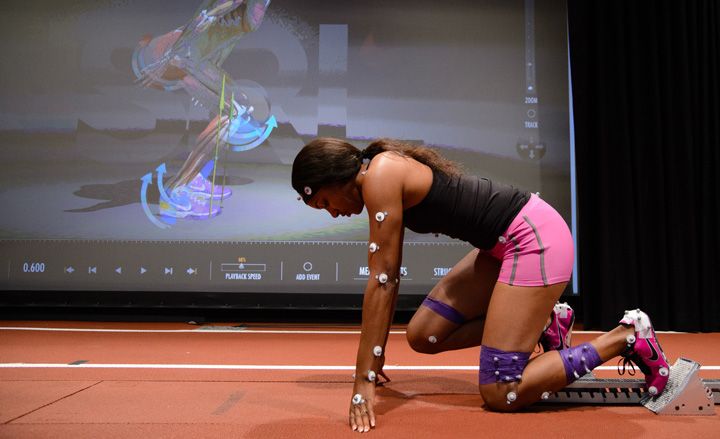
column 384, row 169
column 398, row 174
column 390, row 162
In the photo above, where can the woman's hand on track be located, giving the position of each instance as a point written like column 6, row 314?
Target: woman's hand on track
column 362, row 415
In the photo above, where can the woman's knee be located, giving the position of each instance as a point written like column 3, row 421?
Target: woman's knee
column 496, row 400
column 421, row 342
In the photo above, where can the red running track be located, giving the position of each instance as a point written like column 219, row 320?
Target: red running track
column 177, row 380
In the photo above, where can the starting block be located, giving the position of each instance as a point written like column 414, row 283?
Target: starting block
column 685, row 393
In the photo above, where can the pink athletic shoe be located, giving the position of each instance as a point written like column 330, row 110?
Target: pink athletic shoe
column 644, row 350
column 202, row 185
column 189, row 205
column 558, row 333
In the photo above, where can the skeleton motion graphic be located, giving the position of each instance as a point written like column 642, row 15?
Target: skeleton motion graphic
column 190, row 58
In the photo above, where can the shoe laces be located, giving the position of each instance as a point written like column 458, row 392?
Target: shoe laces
column 626, row 361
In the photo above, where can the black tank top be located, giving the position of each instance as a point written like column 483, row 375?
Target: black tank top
column 469, row 208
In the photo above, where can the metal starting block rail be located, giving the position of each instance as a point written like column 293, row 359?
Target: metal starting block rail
column 685, row 393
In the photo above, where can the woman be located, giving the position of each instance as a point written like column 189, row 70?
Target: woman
column 499, row 296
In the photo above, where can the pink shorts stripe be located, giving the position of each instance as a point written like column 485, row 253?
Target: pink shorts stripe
column 537, row 248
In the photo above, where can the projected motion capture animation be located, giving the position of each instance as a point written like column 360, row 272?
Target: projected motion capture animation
column 190, row 58
column 178, row 122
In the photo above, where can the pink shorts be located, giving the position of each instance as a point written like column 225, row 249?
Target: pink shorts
column 537, row 249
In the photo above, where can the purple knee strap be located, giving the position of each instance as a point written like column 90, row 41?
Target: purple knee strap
column 500, row 366
column 579, row 360
column 444, row 310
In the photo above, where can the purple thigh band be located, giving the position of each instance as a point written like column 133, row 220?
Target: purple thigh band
column 444, row 310
column 579, row 360
column 500, row 366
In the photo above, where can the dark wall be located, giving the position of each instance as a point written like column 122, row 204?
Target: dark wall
column 647, row 117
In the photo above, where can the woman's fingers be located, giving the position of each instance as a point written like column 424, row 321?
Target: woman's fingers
column 353, row 422
column 361, row 418
column 356, row 420
column 371, row 416
column 365, row 419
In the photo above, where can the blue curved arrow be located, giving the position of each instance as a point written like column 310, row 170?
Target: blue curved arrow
column 161, row 170
column 269, row 126
column 242, row 127
column 147, row 180
column 254, row 133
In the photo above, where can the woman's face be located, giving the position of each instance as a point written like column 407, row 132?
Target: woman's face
column 338, row 200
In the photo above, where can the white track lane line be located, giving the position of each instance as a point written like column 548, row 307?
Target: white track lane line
column 206, row 330
column 246, row 367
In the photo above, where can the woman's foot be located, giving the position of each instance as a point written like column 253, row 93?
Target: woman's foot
column 644, row 350
column 558, row 333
